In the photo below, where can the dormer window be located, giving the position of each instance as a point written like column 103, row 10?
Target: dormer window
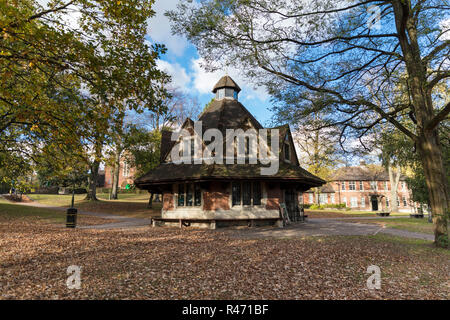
column 220, row 94
column 226, row 93
column 287, row 150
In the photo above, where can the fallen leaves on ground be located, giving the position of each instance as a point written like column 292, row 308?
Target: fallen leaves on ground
column 171, row 263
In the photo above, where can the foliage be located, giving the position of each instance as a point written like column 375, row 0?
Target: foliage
column 285, row 44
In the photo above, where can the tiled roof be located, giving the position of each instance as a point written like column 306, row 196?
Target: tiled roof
column 226, row 82
column 361, row 173
column 170, row 172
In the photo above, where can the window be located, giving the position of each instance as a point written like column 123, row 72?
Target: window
column 220, row 94
column 386, row 186
column 189, row 195
column 246, row 192
column 354, row 202
column 363, row 202
column 343, row 185
column 311, row 198
column 398, row 202
column 287, row 152
column 373, row 185
column 404, row 201
column 323, row 198
column 403, row 185
column 236, row 193
column 387, row 202
column 344, row 200
column 351, row 185
column 332, row 198
column 197, row 195
column 256, row 193
column 361, row 185
column 181, row 195
column 126, row 169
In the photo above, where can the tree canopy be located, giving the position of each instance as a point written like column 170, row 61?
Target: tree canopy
column 352, row 54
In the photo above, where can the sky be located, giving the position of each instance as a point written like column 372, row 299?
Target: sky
column 183, row 63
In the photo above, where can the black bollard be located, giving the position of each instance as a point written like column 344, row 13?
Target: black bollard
column 71, row 221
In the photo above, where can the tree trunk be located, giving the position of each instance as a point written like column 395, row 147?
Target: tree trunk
column 116, row 172
column 150, row 201
column 113, row 182
column 431, row 155
column 394, row 179
column 93, row 179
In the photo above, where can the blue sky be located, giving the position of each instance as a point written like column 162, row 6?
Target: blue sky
column 182, row 62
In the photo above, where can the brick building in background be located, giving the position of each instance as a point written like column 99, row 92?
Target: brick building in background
column 126, row 175
column 361, row 188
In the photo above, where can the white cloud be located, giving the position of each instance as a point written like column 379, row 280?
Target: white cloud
column 159, row 28
column 204, row 81
column 180, row 78
column 445, row 26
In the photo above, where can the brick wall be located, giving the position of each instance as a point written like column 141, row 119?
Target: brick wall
column 123, row 180
column 217, row 197
column 274, row 196
column 346, row 196
column 168, row 201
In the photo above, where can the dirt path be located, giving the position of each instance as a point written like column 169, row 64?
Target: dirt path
column 326, row 227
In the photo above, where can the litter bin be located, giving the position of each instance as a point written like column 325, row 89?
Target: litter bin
column 71, row 221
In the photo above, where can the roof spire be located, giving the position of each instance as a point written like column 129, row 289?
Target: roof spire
column 226, row 82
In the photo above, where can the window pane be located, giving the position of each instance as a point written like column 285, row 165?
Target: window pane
column 246, row 193
column 236, row 193
column 287, row 154
column 189, row 199
column 256, row 193
column 197, row 195
column 229, row 92
column 221, row 93
column 181, row 195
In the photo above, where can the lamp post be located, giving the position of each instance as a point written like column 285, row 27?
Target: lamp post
column 71, row 220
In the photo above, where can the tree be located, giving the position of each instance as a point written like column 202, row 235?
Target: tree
column 63, row 81
column 364, row 44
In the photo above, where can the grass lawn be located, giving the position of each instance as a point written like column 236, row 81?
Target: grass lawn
column 128, row 204
column 334, row 213
column 65, row 200
column 172, row 263
column 410, row 224
column 11, row 211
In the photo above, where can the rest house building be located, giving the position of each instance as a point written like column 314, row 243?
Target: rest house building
column 228, row 192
